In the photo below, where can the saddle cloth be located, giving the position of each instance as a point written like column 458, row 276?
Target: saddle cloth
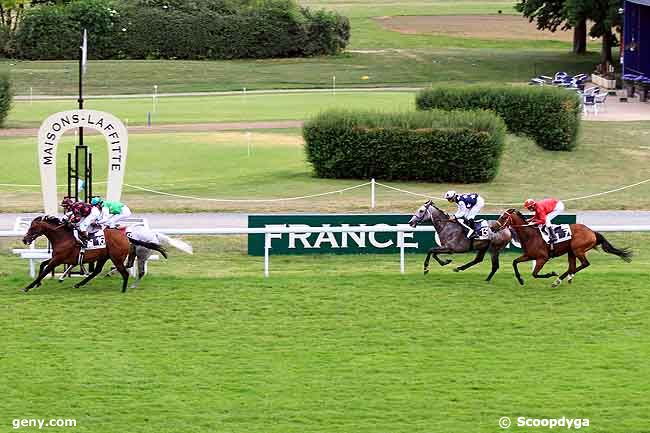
column 96, row 240
column 483, row 230
column 562, row 232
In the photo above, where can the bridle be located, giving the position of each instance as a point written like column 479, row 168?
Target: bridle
column 429, row 204
column 508, row 222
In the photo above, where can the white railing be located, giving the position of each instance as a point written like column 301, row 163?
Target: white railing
column 271, row 232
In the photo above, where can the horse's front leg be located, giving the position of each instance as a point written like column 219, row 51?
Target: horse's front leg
column 44, row 271
column 434, row 252
column 516, row 261
column 478, row 259
column 539, row 264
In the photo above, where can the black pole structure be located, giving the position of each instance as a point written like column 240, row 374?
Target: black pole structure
column 81, row 174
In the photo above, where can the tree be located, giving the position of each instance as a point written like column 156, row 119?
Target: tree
column 551, row 15
column 606, row 20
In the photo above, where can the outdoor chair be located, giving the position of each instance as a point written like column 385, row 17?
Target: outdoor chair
column 589, row 101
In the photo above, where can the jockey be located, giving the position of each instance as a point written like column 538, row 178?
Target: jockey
column 91, row 219
column 469, row 205
column 66, row 204
column 112, row 212
column 545, row 210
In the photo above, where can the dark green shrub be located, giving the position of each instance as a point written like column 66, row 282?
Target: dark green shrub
column 6, row 95
column 549, row 115
column 203, row 29
column 52, row 32
column 434, row 146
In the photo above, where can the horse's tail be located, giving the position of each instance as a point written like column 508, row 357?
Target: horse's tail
column 149, row 245
column 176, row 243
column 624, row 253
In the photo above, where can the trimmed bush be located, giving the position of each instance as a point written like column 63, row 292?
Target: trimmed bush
column 6, row 95
column 194, row 30
column 434, row 146
column 549, row 115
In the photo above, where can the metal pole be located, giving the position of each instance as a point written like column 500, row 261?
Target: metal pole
column 400, row 242
column 372, row 193
column 267, row 247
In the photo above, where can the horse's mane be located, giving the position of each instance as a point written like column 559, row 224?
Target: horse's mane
column 50, row 219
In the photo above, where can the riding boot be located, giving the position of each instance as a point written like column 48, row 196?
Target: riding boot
column 470, row 230
column 81, row 261
column 472, row 233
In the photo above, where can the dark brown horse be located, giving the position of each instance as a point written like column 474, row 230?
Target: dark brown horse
column 535, row 248
column 65, row 249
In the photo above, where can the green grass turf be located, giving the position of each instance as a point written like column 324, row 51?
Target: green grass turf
column 216, row 165
column 418, row 67
column 327, row 344
column 216, row 108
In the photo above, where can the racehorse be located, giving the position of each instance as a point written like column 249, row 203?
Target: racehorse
column 65, row 249
column 453, row 239
column 142, row 253
column 535, row 248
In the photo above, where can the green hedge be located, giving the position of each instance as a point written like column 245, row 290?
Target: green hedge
column 5, row 96
column 434, row 146
column 549, row 115
column 262, row 29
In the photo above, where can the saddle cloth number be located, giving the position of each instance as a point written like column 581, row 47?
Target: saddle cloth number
column 483, row 229
column 562, row 232
column 96, row 241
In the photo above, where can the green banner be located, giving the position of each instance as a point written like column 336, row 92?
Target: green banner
column 346, row 243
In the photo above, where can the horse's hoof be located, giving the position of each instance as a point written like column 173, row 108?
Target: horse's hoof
column 76, row 286
column 570, row 279
column 457, row 269
column 521, row 281
column 25, row 290
column 426, row 271
column 556, row 283
column 554, row 274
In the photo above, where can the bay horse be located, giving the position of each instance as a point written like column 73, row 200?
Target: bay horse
column 535, row 247
column 65, row 249
column 453, row 239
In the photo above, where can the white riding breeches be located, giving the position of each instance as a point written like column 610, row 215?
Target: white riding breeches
column 476, row 209
column 559, row 208
column 114, row 219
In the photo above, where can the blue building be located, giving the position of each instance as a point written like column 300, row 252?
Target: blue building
column 636, row 37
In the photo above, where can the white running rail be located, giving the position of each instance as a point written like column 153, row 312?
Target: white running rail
column 271, row 232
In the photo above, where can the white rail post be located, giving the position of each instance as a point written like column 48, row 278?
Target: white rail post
column 372, row 193
column 32, row 269
column 267, row 247
column 400, row 244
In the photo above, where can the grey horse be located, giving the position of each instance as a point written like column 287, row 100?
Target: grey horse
column 453, row 239
column 143, row 253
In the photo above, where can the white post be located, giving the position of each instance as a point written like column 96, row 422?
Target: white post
column 400, row 243
column 334, row 84
column 32, row 269
column 155, row 96
column 244, row 93
column 248, row 142
column 372, row 193
column 31, row 95
column 267, row 247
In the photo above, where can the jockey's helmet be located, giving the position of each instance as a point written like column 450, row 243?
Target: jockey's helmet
column 530, row 204
column 67, row 202
column 450, row 195
column 96, row 201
